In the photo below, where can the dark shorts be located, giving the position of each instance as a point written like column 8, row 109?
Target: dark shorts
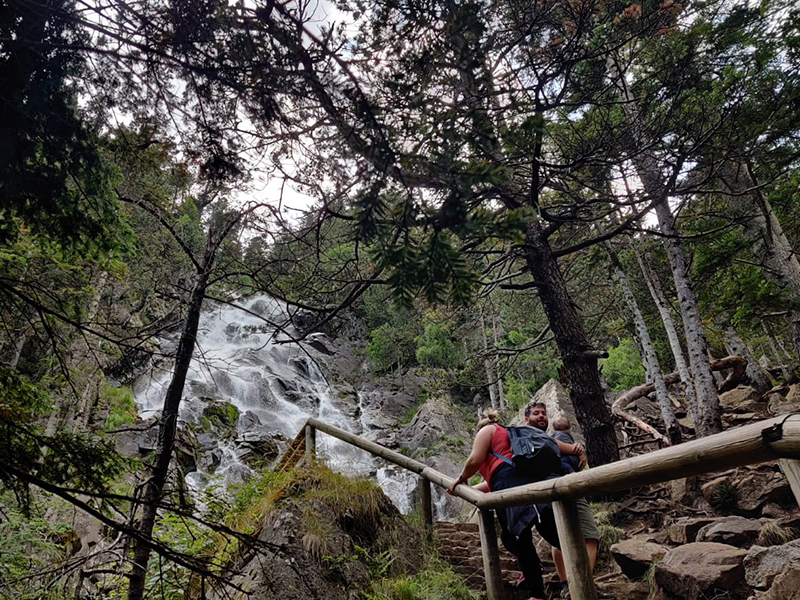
column 516, row 519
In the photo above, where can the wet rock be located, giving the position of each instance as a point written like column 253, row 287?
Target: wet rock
column 258, row 451
column 385, row 401
column 305, row 320
column 220, row 417
column 683, row 530
column 701, row 569
column 736, row 531
column 762, row 565
column 249, row 421
column 634, row 557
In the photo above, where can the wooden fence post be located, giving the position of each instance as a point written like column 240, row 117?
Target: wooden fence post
column 491, row 556
column 426, row 504
column 791, row 469
column 311, row 444
column 573, row 547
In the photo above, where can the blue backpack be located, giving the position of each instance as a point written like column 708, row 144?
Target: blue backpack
column 533, row 452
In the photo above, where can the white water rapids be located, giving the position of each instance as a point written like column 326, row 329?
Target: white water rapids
column 239, row 359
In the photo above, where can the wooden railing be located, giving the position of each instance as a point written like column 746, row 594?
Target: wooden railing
column 773, row 439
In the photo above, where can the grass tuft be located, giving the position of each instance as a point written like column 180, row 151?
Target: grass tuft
column 772, row 534
column 436, row 581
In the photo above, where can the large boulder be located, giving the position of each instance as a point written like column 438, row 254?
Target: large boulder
column 741, row 399
column 683, row 530
column 762, row 565
column 701, row 569
column 745, row 491
column 435, row 420
column 736, row 531
column 319, row 548
column 786, row 585
column 634, row 557
column 553, row 395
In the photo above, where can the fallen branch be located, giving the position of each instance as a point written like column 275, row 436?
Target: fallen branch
column 734, row 362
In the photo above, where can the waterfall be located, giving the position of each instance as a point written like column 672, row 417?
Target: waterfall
column 243, row 359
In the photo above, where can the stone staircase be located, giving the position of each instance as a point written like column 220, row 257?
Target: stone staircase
column 459, row 544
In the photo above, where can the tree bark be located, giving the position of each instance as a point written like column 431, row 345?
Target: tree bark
column 654, row 286
column 585, row 390
column 764, row 233
column 167, row 428
column 709, row 418
column 756, row 375
column 649, row 356
column 501, row 399
column 487, row 364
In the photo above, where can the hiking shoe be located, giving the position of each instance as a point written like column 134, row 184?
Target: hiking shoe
column 520, row 581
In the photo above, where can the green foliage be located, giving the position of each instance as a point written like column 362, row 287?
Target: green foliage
column 391, row 347
column 121, row 406
column 32, row 546
column 623, row 368
column 167, row 579
column 436, row 581
column 65, row 458
column 436, row 347
column 724, row 496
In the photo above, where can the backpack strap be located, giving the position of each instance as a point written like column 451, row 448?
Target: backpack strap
column 505, row 459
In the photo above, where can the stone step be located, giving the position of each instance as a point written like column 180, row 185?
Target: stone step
column 450, row 526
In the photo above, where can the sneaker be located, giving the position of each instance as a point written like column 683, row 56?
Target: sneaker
column 520, row 581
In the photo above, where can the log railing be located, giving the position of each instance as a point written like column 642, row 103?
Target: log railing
column 773, row 439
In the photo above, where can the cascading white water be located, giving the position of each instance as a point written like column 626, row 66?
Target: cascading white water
column 242, row 359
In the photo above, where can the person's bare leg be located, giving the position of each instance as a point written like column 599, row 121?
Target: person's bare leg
column 558, row 559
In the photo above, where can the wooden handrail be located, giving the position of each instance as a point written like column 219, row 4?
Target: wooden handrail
column 745, row 445
column 773, row 439
column 464, row 492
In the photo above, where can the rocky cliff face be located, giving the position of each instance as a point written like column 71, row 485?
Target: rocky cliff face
column 323, row 543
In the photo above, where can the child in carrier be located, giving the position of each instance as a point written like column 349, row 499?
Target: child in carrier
column 562, row 427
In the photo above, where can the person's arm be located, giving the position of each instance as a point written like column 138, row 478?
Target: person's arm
column 565, row 448
column 480, row 447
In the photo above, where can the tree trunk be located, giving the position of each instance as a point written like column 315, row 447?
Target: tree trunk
column 756, row 375
column 765, row 235
column 649, row 356
column 487, row 364
column 501, row 400
column 654, row 286
column 709, row 419
column 167, row 428
column 585, row 389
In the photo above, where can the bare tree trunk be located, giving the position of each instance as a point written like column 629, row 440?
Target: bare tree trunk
column 649, row 356
column 764, row 232
column 580, row 362
column 709, row 418
column 654, row 286
column 501, row 400
column 756, row 375
column 487, row 364
column 167, row 428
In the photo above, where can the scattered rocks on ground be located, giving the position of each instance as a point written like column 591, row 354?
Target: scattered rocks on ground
column 741, row 399
column 736, row 531
column 634, row 557
column 762, row 565
column 700, row 569
column 683, row 530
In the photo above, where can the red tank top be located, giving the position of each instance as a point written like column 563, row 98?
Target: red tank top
column 499, row 443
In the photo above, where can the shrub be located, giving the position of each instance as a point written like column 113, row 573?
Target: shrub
column 391, row 347
column 623, row 368
column 435, row 347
